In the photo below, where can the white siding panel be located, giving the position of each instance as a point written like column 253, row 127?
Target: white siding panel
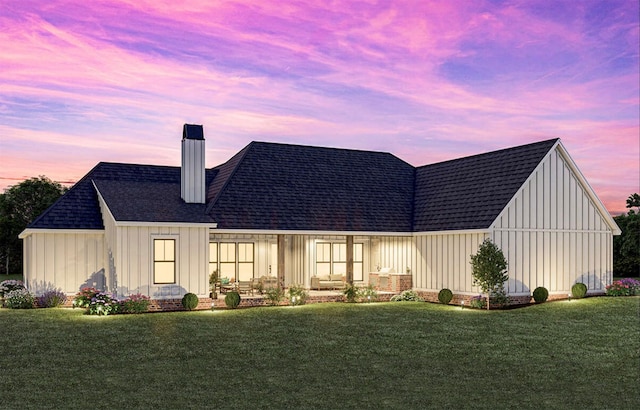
column 65, row 261
column 563, row 239
column 445, row 261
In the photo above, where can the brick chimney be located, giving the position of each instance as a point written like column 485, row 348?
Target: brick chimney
column 192, row 170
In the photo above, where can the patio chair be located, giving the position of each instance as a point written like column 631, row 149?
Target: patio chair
column 245, row 286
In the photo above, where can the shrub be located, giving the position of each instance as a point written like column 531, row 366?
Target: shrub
column 407, row 296
column 51, row 298
column 369, row 294
column 479, row 302
column 137, row 303
column 579, row 290
column 350, row 293
column 83, row 298
column 19, row 298
column 103, row 304
column 232, row 299
column 190, row 301
column 540, row 294
column 624, row 287
column 7, row 286
column 274, row 295
column 298, row 295
column 445, row 296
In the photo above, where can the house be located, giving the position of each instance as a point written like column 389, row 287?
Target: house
column 295, row 212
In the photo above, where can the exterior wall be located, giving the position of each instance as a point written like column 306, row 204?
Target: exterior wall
column 395, row 252
column 64, row 261
column 131, row 249
column 442, row 261
column 553, row 234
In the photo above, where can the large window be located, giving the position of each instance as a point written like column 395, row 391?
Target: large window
column 164, row 261
column 232, row 260
column 331, row 259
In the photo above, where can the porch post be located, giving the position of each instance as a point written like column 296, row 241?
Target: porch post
column 350, row 259
column 281, row 261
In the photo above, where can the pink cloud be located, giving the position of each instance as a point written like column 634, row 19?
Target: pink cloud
column 106, row 79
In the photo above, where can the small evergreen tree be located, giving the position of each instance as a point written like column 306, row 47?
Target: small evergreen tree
column 489, row 269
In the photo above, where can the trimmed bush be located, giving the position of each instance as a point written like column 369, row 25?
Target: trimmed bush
column 19, row 298
column 445, row 296
column 51, row 298
column 232, row 299
column 190, row 301
column 540, row 294
column 579, row 290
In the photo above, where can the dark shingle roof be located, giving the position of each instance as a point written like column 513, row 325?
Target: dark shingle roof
column 268, row 186
column 127, row 190
column 153, row 201
column 293, row 187
column 470, row 193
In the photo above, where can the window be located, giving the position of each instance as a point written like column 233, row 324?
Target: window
column 227, row 260
column 164, row 261
column 331, row 258
column 245, row 261
column 232, row 260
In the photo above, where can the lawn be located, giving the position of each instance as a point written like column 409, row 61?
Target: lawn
column 566, row 354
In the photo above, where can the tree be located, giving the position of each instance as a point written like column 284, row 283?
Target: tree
column 633, row 201
column 626, row 247
column 19, row 206
column 490, row 270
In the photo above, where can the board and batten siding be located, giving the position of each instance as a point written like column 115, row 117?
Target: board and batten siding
column 552, row 232
column 132, row 250
column 395, row 252
column 442, row 260
column 65, row 261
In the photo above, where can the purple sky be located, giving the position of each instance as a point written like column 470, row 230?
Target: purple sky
column 89, row 81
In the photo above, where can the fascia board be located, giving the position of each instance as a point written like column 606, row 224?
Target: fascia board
column 31, row 231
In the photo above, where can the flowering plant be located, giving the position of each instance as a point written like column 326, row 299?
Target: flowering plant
column 9, row 285
column 51, row 298
column 103, row 304
column 83, row 298
column 137, row 303
column 407, row 296
column 624, row 287
column 19, row 298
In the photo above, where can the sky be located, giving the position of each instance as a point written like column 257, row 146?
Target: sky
column 89, row 81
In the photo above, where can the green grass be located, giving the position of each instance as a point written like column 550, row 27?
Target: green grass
column 579, row 354
column 10, row 277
